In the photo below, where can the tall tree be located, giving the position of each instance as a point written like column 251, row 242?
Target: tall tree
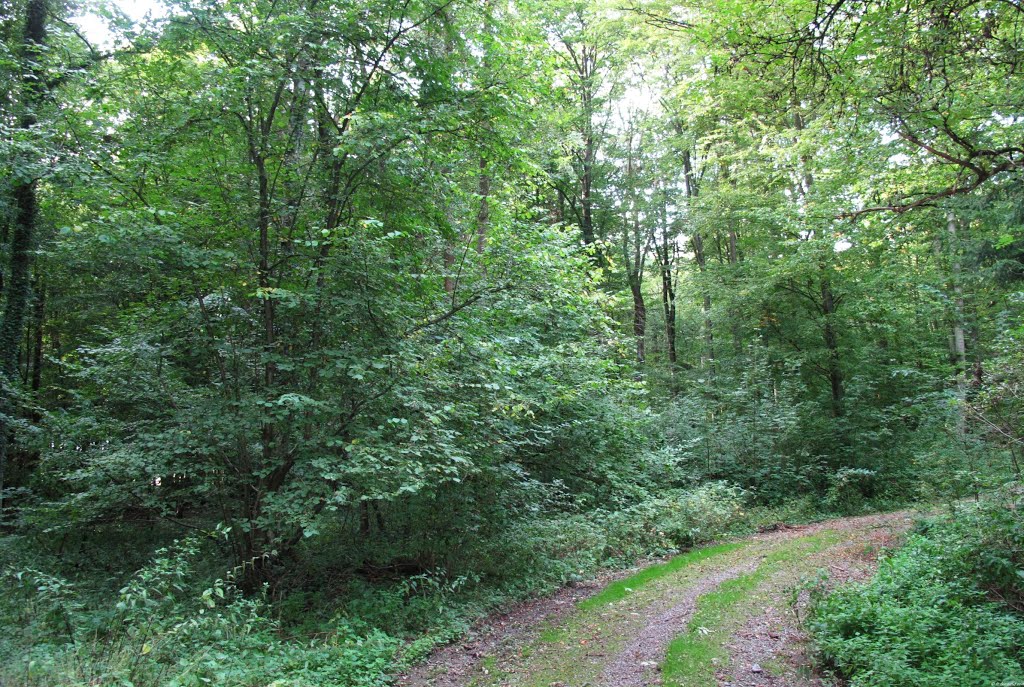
column 17, row 280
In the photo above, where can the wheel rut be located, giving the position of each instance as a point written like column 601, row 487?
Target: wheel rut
column 638, row 664
column 744, row 593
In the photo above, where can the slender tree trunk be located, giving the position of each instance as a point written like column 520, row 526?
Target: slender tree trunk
column 700, row 257
column 586, row 195
column 666, row 263
column 734, row 260
column 483, row 215
column 254, row 489
column 585, row 61
column 977, row 372
column 668, row 303
column 589, row 155
column 958, row 343
column 835, row 371
column 264, row 282
column 639, row 317
column 634, row 248
column 449, row 265
column 828, row 299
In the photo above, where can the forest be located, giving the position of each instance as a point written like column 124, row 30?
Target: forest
column 331, row 328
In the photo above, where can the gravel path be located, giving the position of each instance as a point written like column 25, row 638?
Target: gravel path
column 773, row 637
column 627, row 642
column 455, row 665
column 637, row 664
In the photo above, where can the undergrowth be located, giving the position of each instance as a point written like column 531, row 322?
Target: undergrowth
column 943, row 611
column 177, row 622
column 173, row 624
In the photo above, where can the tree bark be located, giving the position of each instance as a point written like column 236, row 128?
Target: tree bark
column 958, row 343
column 483, row 215
column 38, row 321
column 635, row 242
column 668, row 296
column 699, row 256
column 17, row 288
column 668, row 302
column 584, row 61
column 835, row 371
column 639, row 318
column 666, row 263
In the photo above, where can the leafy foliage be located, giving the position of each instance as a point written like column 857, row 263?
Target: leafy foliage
column 407, row 308
column 935, row 613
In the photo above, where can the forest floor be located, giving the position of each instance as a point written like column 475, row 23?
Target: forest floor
column 726, row 615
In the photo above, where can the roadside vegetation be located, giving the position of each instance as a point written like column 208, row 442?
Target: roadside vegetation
column 943, row 610
column 328, row 327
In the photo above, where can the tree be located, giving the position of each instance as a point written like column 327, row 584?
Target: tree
column 17, row 277
column 940, row 76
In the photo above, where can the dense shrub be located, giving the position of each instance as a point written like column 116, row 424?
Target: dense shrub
column 162, row 628
column 939, row 612
column 170, row 625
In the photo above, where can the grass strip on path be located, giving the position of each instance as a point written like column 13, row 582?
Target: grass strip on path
column 573, row 650
column 617, row 591
column 691, row 657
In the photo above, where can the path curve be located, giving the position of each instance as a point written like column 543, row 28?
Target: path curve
column 554, row 642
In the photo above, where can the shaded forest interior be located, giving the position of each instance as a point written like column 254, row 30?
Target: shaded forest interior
column 329, row 326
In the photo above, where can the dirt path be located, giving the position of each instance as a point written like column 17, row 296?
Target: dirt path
column 725, row 615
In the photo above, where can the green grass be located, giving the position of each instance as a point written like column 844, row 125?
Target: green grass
column 617, row 591
column 571, row 650
column 553, row 635
column 690, row 660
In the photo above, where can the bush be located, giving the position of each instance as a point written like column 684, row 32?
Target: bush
column 849, row 489
column 936, row 613
column 166, row 626
column 164, row 629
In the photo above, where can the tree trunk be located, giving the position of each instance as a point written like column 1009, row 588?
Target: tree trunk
column 958, row 343
column 586, row 198
column 666, row 264
column 734, row 260
column 585, row 61
column 264, row 282
column 635, row 242
column 668, row 303
column 639, row 318
column 959, row 346
column 699, row 256
column 38, row 322
column 483, row 215
column 18, row 285
column 835, row 372
column 449, row 264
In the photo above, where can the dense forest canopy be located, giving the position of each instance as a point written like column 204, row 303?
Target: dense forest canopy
column 369, row 290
